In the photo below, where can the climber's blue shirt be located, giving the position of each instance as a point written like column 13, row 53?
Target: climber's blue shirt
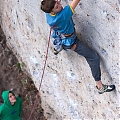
column 62, row 22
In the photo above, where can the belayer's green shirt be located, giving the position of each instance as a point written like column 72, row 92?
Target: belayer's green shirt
column 9, row 111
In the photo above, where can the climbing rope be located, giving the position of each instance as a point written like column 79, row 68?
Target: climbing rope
column 42, row 75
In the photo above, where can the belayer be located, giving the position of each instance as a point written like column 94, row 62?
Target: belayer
column 11, row 108
column 61, row 22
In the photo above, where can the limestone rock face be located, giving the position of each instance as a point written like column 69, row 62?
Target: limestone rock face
column 68, row 88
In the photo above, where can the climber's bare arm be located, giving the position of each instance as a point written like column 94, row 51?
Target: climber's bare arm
column 74, row 3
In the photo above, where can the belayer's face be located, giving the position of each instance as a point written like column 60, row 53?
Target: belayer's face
column 12, row 98
column 57, row 7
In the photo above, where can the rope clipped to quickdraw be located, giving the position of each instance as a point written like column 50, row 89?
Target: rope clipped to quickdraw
column 42, row 75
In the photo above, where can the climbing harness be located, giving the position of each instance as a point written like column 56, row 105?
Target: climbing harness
column 73, row 47
column 42, row 74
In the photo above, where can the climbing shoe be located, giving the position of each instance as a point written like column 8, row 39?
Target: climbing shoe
column 106, row 88
column 55, row 52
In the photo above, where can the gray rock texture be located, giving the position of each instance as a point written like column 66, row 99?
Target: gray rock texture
column 68, row 89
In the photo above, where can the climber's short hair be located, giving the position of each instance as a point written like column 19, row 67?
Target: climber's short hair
column 47, row 5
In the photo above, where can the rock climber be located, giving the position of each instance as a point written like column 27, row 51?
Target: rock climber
column 61, row 22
